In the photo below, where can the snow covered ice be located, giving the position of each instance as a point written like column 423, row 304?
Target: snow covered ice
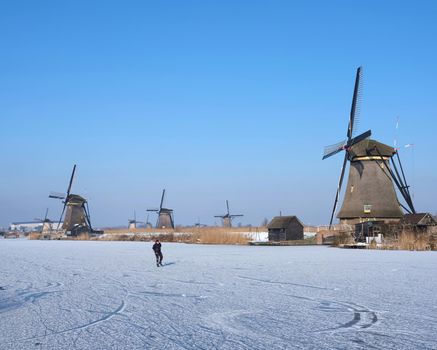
column 111, row 295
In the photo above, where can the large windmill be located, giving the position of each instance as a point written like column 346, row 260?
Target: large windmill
column 227, row 218
column 165, row 215
column 370, row 193
column 77, row 219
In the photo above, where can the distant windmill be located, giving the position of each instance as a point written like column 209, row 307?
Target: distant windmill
column 77, row 218
column 165, row 215
column 199, row 224
column 370, row 193
column 227, row 218
column 132, row 223
column 148, row 224
column 46, row 223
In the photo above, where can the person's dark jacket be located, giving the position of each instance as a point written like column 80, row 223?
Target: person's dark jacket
column 157, row 248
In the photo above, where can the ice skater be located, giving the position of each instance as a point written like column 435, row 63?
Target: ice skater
column 158, row 254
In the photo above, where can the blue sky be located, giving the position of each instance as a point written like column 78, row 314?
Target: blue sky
column 211, row 100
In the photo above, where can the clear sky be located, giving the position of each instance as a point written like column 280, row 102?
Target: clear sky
column 212, row 100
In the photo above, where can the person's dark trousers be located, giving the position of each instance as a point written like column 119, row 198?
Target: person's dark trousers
column 158, row 258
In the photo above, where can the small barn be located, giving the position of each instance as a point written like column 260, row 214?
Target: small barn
column 419, row 222
column 285, row 228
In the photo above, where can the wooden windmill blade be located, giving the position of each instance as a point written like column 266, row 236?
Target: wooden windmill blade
column 340, row 182
column 71, row 180
column 67, row 196
column 57, row 195
column 354, row 107
column 334, row 149
column 350, row 140
column 162, row 199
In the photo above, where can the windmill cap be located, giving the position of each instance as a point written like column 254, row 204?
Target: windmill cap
column 76, row 199
column 368, row 147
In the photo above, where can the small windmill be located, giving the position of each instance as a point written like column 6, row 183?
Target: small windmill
column 46, row 223
column 133, row 222
column 77, row 218
column 165, row 215
column 227, row 218
column 370, row 192
column 199, row 224
column 148, row 224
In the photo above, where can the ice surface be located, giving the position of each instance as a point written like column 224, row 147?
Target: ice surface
column 110, row 295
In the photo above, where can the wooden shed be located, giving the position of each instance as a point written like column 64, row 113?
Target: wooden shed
column 419, row 222
column 285, row 228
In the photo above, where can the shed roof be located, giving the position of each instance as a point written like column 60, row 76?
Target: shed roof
column 425, row 219
column 283, row 222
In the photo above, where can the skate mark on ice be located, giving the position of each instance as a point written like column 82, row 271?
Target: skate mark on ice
column 22, row 297
column 362, row 317
column 32, row 297
column 195, row 282
column 286, row 283
column 54, row 284
column 169, row 263
column 108, row 316
column 171, row 295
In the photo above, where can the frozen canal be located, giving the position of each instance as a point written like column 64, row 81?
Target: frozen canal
column 110, row 295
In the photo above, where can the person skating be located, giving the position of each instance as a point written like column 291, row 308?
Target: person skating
column 158, row 254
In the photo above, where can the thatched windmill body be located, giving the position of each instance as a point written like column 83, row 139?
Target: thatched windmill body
column 228, row 217
column 77, row 219
column 165, row 215
column 373, row 173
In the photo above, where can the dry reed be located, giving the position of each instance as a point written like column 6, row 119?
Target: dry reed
column 410, row 241
column 34, row 235
column 214, row 236
column 342, row 238
column 204, row 235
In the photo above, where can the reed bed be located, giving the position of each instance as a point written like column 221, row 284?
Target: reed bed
column 34, row 235
column 410, row 240
column 202, row 235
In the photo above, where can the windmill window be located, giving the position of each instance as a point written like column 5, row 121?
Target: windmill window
column 367, row 208
column 352, row 189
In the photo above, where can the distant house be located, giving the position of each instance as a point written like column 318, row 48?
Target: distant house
column 27, row 226
column 285, row 228
column 423, row 222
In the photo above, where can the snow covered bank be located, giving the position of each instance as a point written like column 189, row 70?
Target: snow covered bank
column 110, row 295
